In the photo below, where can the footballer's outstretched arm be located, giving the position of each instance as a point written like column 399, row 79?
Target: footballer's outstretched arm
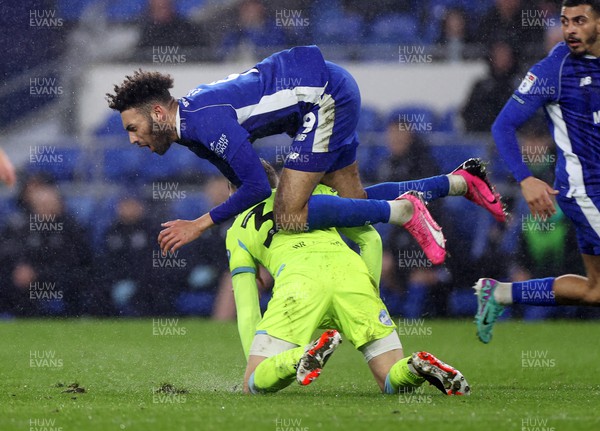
column 247, row 306
column 252, row 184
column 253, row 187
column 245, row 290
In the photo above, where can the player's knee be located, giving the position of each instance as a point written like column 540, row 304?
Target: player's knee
column 592, row 296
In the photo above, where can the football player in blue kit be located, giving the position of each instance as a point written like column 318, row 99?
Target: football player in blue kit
column 317, row 103
column 567, row 85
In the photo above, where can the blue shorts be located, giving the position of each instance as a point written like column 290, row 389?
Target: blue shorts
column 327, row 139
column 584, row 212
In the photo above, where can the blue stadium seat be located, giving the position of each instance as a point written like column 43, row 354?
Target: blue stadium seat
column 462, row 302
column 395, row 28
column 370, row 120
column 363, row 157
column 538, row 313
column 122, row 164
column 192, row 207
column 82, row 207
column 195, row 303
column 129, row 10
column 339, row 29
column 71, row 10
column 498, row 168
column 393, row 300
column 129, row 163
column 449, row 120
column 370, row 127
column 113, row 125
column 450, row 155
column 62, row 163
column 53, row 307
column 371, row 157
column 181, row 162
column 424, row 118
column 414, row 301
column 470, row 223
column 477, row 8
column 326, row 9
column 8, row 206
column 154, row 167
column 104, row 215
column 185, row 8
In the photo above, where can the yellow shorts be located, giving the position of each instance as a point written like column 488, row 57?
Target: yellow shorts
column 329, row 290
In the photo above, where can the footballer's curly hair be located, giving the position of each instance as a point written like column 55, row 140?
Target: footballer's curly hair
column 139, row 90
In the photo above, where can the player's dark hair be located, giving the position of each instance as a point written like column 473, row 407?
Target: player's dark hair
column 140, row 89
column 595, row 4
column 271, row 173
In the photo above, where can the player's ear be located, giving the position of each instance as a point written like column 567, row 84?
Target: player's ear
column 158, row 112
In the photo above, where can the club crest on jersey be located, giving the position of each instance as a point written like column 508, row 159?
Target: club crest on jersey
column 384, row 318
column 527, row 83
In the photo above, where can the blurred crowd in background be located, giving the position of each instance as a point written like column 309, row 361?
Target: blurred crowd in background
column 71, row 249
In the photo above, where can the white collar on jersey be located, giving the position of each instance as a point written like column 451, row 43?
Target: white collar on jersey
column 178, row 123
column 591, row 57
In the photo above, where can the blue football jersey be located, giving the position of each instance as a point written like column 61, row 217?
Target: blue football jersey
column 568, row 88
column 219, row 121
column 271, row 98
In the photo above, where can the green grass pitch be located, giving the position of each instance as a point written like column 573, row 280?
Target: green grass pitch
column 186, row 375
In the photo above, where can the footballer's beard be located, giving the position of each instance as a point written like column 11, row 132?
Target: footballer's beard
column 585, row 47
column 161, row 138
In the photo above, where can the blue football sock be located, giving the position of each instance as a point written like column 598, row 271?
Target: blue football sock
column 388, row 388
column 534, row 292
column 432, row 188
column 253, row 389
column 332, row 211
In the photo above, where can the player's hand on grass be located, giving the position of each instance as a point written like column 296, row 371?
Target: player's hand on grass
column 538, row 196
column 177, row 233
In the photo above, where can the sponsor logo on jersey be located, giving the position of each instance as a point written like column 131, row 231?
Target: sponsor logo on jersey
column 527, row 83
column 219, row 147
column 585, row 81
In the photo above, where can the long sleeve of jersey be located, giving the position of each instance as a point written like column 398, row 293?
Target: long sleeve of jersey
column 540, row 86
column 213, row 133
column 247, row 307
column 253, row 184
column 369, row 241
column 243, row 272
